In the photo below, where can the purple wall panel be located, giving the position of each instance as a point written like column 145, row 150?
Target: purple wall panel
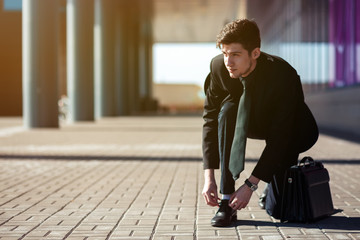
column 357, row 39
column 344, row 26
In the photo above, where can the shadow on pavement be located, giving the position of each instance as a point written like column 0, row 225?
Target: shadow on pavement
column 141, row 158
column 333, row 222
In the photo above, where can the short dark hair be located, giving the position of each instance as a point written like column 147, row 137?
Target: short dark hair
column 243, row 31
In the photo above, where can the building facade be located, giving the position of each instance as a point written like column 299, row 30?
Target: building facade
column 99, row 53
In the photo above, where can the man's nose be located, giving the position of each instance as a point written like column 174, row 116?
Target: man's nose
column 228, row 62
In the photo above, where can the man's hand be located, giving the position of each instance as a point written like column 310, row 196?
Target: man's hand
column 240, row 198
column 210, row 189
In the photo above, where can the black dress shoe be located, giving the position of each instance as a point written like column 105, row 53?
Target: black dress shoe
column 224, row 216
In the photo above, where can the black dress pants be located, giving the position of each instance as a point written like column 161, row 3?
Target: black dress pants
column 226, row 128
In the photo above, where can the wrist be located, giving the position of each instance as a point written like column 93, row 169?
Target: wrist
column 254, row 180
column 209, row 175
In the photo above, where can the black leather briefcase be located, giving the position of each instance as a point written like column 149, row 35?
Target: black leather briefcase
column 306, row 194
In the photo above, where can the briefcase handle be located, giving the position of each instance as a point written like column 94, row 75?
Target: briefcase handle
column 307, row 161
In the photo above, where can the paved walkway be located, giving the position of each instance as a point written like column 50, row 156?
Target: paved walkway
column 141, row 178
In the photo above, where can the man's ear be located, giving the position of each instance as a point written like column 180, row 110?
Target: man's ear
column 255, row 53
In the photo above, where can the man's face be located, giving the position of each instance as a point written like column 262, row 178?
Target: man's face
column 238, row 61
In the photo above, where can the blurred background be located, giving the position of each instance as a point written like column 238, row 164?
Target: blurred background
column 81, row 60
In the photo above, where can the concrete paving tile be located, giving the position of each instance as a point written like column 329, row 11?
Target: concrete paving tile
column 257, row 232
column 291, row 231
column 9, row 237
column 313, row 231
column 251, row 237
column 168, row 227
column 131, row 228
column 310, row 238
column 141, row 233
column 181, row 237
column 185, row 227
column 275, row 237
column 226, row 232
column 219, row 237
column 174, row 233
column 207, row 232
column 128, row 238
column 338, row 236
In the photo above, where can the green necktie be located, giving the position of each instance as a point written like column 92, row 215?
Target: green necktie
column 237, row 154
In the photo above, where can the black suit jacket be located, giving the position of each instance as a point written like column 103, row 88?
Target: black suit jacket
column 278, row 113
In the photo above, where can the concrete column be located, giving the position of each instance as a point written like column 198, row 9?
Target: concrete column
column 40, row 31
column 145, row 55
column 144, row 45
column 121, row 63
column 80, row 59
column 104, row 58
column 133, row 57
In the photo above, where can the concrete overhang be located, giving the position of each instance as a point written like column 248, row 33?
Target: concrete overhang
column 179, row 21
